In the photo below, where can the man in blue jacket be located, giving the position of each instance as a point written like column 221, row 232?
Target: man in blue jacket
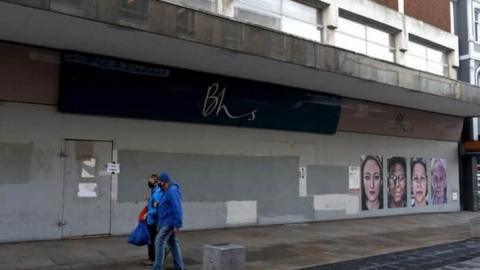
column 151, row 215
column 169, row 214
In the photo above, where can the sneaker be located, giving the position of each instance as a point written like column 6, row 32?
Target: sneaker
column 147, row 263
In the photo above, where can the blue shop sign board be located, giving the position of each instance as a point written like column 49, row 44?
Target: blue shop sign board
column 99, row 85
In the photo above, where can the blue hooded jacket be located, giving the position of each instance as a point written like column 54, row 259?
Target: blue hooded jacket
column 169, row 210
column 155, row 197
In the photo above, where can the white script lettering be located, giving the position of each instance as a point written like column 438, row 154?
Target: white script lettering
column 213, row 104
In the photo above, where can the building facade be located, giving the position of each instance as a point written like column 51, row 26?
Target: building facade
column 467, row 14
column 466, row 29
column 265, row 112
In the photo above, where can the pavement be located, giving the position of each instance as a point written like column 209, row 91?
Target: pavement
column 454, row 255
column 422, row 241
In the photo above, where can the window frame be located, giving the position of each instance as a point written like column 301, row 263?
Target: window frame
column 186, row 3
column 366, row 25
column 477, row 76
column 426, row 45
column 271, row 16
column 281, row 15
column 476, row 22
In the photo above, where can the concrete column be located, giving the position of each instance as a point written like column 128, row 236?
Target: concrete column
column 470, row 33
column 224, row 7
column 452, row 16
column 473, row 80
column 453, row 62
column 219, row 6
column 401, row 6
column 330, row 22
column 401, row 43
column 472, row 70
column 474, row 132
column 452, row 71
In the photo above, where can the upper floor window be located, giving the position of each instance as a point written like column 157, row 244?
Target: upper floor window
column 262, row 12
column 363, row 38
column 426, row 58
column 477, row 77
column 476, row 24
column 208, row 5
column 284, row 15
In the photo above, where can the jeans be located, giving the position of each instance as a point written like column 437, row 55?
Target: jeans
column 152, row 229
column 166, row 236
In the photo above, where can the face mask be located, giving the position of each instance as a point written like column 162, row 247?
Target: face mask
column 151, row 185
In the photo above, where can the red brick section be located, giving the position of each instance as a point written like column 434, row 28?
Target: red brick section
column 434, row 12
column 393, row 4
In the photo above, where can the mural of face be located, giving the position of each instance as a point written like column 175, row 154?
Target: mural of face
column 372, row 182
column 396, row 184
column 419, row 184
column 439, row 182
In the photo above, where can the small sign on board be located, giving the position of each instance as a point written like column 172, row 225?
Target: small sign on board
column 113, row 168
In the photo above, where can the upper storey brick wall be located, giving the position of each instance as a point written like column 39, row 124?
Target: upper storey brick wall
column 434, row 12
column 393, row 4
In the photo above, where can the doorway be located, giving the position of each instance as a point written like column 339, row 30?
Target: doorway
column 87, row 188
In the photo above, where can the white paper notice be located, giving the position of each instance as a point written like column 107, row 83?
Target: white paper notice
column 354, row 177
column 454, row 196
column 302, row 182
column 89, row 162
column 113, row 168
column 87, row 174
column 88, row 168
column 87, row 190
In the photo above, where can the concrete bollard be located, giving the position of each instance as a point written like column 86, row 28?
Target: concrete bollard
column 475, row 227
column 224, row 257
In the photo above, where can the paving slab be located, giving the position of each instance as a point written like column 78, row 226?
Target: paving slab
column 455, row 255
column 277, row 247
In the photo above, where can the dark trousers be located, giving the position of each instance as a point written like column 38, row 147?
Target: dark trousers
column 152, row 229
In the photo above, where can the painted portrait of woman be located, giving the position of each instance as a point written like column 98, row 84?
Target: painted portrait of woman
column 439, row 180
column 371, row 182
column 419, row 182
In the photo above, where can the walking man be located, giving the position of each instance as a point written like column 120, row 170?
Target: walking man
column 169, row 215
column 151, row 215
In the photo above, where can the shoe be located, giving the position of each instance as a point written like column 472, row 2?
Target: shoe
column 147, row 263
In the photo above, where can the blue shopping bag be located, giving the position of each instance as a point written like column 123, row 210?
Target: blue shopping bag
column 140, row 236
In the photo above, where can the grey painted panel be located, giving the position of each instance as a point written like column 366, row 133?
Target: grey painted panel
column 285, row 219
column 15, row 160
column 327, row 179
column 125, row 217
column 204, row 215
column 287, row 207
column 329, row 215
column 209, row 178
column 34, row 218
